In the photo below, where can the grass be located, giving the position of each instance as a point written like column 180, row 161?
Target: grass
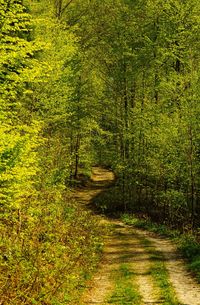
column 160, row 275
column 186, row 243
column 150, row 226
column 126, row 290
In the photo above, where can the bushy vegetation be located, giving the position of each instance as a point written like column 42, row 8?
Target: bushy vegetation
column 190, row 248
column 49, row 244
column 51, row 255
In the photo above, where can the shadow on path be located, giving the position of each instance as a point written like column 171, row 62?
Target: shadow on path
column 123, row 245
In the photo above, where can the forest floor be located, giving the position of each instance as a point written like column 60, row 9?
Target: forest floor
column 137, row 267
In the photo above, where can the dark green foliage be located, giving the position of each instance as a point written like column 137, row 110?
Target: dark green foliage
column 191, row 250
column 146, row 53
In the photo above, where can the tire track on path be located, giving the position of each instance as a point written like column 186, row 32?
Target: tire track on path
column 123, row 245
column 185, row 286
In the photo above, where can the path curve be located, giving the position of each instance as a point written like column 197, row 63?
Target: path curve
column 123, row 245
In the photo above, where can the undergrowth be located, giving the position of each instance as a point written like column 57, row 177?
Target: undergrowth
column 52, row 254
column 186, row 243
column 190, row 248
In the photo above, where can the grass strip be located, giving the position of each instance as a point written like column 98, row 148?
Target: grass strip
column 126, row 291
column 160, row 274
column 187, row 244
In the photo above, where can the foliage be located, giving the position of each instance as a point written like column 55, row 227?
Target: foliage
column 190, row 248
column 89, row 82
column 149, row 66
column 50, row 257
column 49, row 245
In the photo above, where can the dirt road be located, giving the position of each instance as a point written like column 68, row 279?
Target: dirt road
column 136, row 267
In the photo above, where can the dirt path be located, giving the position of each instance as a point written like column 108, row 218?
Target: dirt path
column 123, row 245
column 187, row 290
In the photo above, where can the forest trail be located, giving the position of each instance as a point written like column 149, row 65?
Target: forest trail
column 137, row 267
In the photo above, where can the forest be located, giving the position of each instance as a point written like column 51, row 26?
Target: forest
column 83, row 83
